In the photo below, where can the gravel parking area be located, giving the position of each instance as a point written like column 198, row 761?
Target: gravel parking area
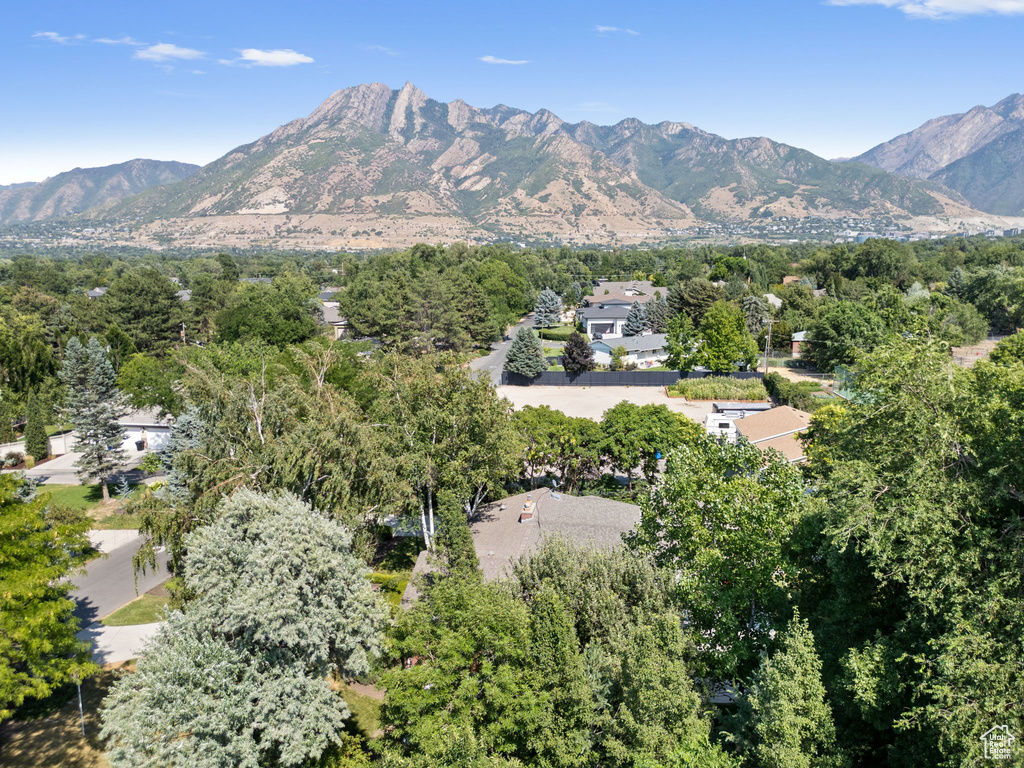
column 592, row 402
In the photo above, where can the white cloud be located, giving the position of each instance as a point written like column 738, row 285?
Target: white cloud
column 119, row 41
column 943, row 9
column 167, row 52
column 381, row 49
column 496, row 60
column 603, row 30
column 56, row 37
column 277, row 58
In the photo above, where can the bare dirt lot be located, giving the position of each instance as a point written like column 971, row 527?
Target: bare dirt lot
column 592, row 402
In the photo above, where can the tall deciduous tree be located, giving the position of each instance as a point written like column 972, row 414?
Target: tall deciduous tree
column 94, row 404
column 722, row 518
column 526, row 355
column 843, row 330
column 577, row 355
column 548, row 311
column 38, row 647
column 725, row 341
column 448, row 432
column 681, row 344
column 279, row 602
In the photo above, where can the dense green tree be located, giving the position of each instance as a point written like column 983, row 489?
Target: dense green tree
column 94, row 404
column 526, row 355
column 724, row 339
column 618, row 357
column 788, row 719
column 282, row 313
column 37, row 443
column 151, row 383
column 241, row 677
column 229, row 271
column 453, row 433
column 693, row 298
column 636, row 320
column 722, row 517
column 119, row 346
column 144, row 304
column 38, row 648
column 634, row 435
column 577, row 354
column 548, row 311
column 844, row 329
column 681, row 344
column 569, row 446
column 1009, row 350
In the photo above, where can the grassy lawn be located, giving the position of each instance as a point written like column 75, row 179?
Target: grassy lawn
column 74, row 496
column 393, row 564
column 365, row 720
column 55, row 429
column 145, row 610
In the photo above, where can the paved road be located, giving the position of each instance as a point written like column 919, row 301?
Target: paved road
column 494, row 363
column 109, row 583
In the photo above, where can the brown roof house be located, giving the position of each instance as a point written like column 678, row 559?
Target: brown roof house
column 509, row 529
column 778, row 428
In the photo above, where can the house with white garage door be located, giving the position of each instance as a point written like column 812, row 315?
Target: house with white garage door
column 146, row 430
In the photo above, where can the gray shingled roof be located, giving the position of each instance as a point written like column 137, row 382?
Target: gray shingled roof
column 501, row 540
column 636, row 343
column 613, row 312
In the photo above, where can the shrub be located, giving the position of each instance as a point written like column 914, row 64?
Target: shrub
column 13, row 458
column 720, row 388
column 805, row 395
column 559, row 333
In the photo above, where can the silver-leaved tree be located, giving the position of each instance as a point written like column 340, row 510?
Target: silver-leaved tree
column 279, row 603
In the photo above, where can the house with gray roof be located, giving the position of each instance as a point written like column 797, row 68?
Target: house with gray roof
column 604, row 320
column 645, row 351
column 95, row 293
column 502, row 533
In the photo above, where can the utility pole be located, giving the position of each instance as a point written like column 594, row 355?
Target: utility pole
column 767, row 346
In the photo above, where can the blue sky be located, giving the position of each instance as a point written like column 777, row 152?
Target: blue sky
column 94, row 83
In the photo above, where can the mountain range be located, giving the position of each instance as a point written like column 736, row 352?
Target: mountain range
column 978, row 153
column 376, row 167
column 84, row 188
column 372, row 165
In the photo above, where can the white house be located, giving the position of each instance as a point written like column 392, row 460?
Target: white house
column 147, row 431
column 604, row 319
column 645, row 351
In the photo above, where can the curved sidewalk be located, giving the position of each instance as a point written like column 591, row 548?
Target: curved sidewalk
column 114, row 644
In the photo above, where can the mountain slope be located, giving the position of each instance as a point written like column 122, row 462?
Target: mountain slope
column 992, row 177
column 373, row 166
column 82, row 188
column 944, row 140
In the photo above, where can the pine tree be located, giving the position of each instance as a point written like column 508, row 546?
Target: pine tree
column 636, row 320
column 577, row 356
column 526, row 355
column 790, row 722
column 37, row 444
column 93, row 405
column 576, row 294
column 548, row 311
column 657, row 314
column 756, row 311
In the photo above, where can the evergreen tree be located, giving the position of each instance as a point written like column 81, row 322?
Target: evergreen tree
column 636, row 320
column 93, row 405
column 37, row 444
column 526, row 355
column 756, row 311
column 6, row 419
column 789, row 722
column 693, row 298
column 577, row 355
column 657, row 314
column 548, row 311
column 575, row 293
